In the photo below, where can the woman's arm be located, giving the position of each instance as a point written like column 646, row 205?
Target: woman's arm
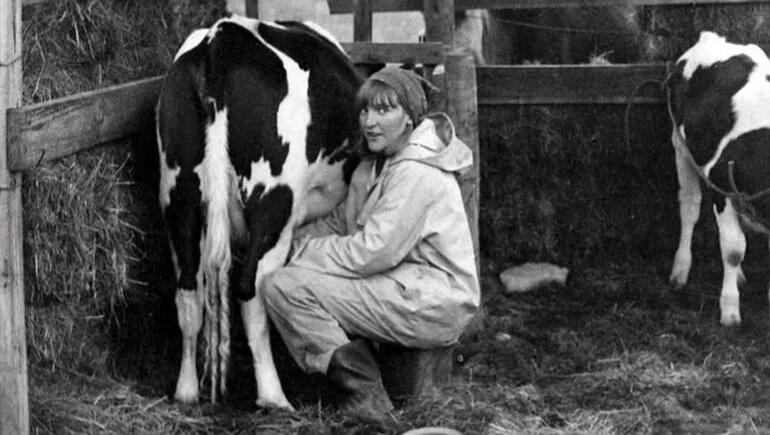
column 391, row 231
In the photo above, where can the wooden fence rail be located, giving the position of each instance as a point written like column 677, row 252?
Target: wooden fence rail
column 57, row 128
column 571, row 84
column 346, row 6
column 54, row 129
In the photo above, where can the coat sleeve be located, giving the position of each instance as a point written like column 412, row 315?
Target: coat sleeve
column 332, row 223
column 392, row 229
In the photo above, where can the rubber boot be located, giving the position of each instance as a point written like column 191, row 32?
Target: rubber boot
column 354, row 368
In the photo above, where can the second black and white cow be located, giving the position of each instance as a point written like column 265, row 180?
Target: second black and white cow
column 256, row 131
column 720, row 105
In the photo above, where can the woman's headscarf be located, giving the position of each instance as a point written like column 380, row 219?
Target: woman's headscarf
column 408, row 87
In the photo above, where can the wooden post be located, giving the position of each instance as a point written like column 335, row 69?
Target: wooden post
column 439, row 16
column 362, row 20
column 439, row 21
column 247, row 8
column 14, row 407
column 252, row 8
column 362, row 31
column 462, row 107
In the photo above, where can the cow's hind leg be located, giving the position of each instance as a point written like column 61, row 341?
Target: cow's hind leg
column 732, row 243
column 184, row 222
column 689, row 197
column 268, row 217
column 768, row 290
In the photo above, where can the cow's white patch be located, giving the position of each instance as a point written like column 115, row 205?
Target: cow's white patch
column 750, row 105
column 325, row 188
column 712, row 48
column 167, row 174
column 260, row 174
column 192, row 41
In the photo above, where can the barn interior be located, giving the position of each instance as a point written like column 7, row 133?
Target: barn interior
column 588, row 187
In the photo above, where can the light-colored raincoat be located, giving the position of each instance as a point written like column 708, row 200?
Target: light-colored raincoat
column 406, row 226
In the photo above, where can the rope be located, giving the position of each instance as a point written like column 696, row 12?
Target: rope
column 627, row 123
column 224, row 326
column 11, row 62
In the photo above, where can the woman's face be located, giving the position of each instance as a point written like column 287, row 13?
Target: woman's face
column 384, row 127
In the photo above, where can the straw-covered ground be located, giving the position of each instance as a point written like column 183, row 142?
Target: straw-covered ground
column 614, row 351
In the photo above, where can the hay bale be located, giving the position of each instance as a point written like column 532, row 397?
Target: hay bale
column 670, row 30
column 97, row 273
column 564, row 188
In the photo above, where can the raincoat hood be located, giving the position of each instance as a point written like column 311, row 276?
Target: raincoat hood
column 435, row 143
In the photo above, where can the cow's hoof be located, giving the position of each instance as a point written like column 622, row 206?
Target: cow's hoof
column 187, row 398
column 677, row 281
column 731, row 319
column 269, row 405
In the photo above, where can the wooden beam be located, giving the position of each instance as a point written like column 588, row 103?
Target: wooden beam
column 439, row 16
column 439, row 21
column 570, row 84
column 368, row 52
column 14, row 387
column 345, row 6
column 252, row 8
column 57, row 128
column 363, row 30
column 362, row 21
column 462, row 107
column 247, row 8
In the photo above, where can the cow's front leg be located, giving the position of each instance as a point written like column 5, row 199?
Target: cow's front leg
column 689, row 197
column 268, row 218
column 732, row 244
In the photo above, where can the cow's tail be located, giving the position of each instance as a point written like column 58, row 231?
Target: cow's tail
column 219, row 179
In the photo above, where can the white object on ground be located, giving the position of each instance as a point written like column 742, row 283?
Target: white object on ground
column 432, row 431
column 531, row 276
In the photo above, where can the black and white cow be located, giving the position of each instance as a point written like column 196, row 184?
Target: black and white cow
column 256, row 131
column 720, row 103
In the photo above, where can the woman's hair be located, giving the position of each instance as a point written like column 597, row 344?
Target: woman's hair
column 374, row 93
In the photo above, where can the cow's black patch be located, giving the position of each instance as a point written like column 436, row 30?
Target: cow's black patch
column 749, row 153
column 333, row 84
column 181, row 124
column 706, row 104
column 249, row 80
column 184, row 220
column 267, row 213
column 181, row 119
